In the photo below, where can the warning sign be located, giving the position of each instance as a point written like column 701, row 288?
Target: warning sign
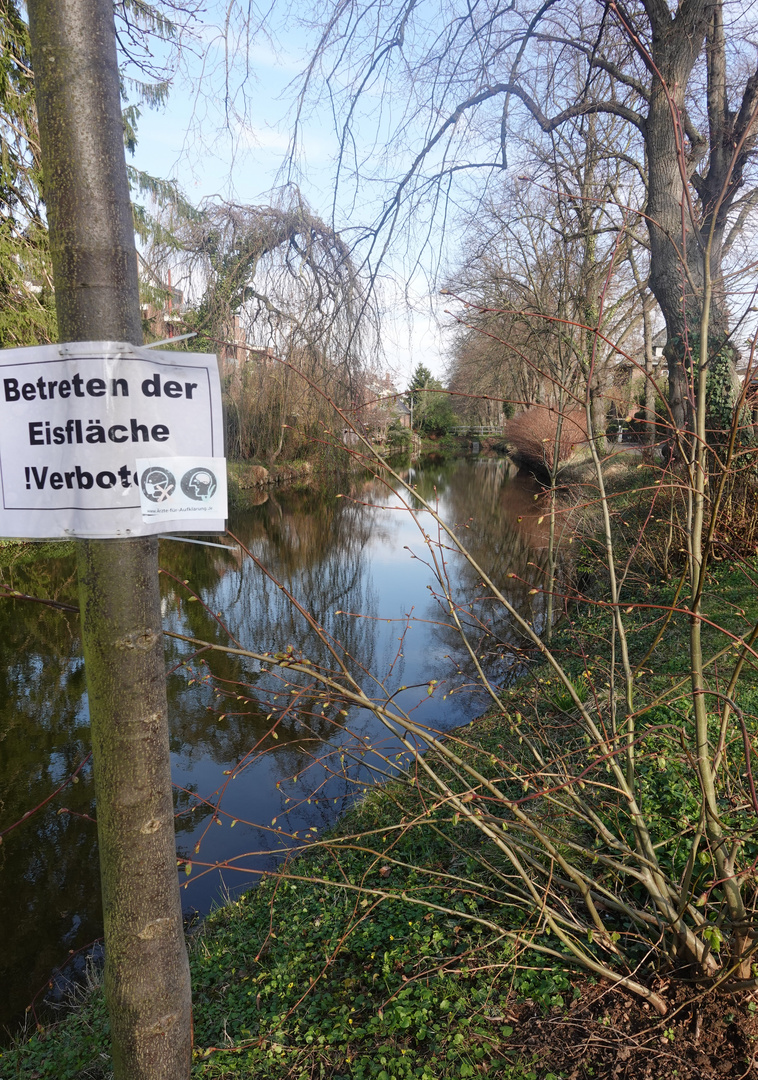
column 90, row 434
column 172, row 488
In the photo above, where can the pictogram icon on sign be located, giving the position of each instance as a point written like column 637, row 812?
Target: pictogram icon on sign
column 199, row 484
column 157, row 484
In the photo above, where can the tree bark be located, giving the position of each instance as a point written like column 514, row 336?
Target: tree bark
column 682, row 220
column 97, row 298
column 673, row 242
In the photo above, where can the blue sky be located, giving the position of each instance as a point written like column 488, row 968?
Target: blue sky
column 237, row 150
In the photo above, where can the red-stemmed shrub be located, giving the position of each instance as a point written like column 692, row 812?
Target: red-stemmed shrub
column 532, row 435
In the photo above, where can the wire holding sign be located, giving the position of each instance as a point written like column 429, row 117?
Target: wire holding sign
column 76, row 420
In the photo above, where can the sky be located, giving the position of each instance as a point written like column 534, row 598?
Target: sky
column 237, row 151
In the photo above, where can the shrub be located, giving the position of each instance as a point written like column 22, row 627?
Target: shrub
column 399, row 438
column 534, row 433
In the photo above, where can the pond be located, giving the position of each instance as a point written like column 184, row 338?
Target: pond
column 259, row 765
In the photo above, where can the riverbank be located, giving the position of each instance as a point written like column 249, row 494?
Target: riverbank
column 357, row 549
column 249, row 483
column 388, row 952
column 383, row 951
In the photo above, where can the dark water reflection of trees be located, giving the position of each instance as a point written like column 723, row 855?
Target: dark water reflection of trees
column 49, row 863
column 349, row 562
column 503, row 521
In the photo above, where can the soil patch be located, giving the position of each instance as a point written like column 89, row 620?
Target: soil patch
column 607, row 1035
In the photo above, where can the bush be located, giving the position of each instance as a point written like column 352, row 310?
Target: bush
column 533, row 434
column 399, row 438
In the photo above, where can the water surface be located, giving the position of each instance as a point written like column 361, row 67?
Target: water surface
column 252, row 773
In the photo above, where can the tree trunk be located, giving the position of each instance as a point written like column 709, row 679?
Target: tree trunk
column 97, row 298
column 680, row 222
column 670, row 228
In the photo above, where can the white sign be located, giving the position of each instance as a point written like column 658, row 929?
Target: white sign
column 173, row 488
column 80, row 424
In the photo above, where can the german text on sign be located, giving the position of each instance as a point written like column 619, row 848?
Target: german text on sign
column 76, row 419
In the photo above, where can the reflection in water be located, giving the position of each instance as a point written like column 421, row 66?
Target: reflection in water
column 259, row 764
column 48, row 864
column 503, row 519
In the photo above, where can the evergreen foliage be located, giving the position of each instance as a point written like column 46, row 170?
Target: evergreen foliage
column 27, row 304
column 27, row 314
column 432, row 412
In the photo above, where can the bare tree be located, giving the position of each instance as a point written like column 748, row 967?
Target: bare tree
column 473, row 77
column 546, row 269
column 275, row 290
